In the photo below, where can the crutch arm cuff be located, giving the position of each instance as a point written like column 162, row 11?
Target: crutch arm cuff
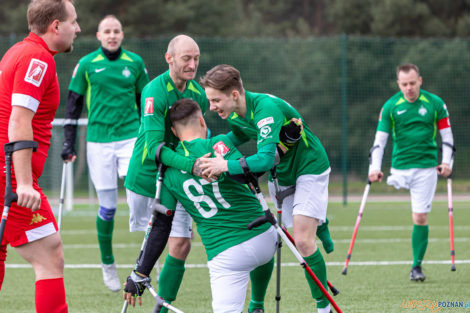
column 13, row 146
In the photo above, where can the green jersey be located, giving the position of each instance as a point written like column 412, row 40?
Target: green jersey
column 265, row 115
column 413, row 127
column 109, row 88
column 221, row 209
column 157, row 98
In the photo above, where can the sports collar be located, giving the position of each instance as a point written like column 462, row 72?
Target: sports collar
column 36, row 39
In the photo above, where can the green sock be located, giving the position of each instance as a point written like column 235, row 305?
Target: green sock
column 259, row 278
column 170, row 279
column 323, row 232
column 419, row 243
column 317, row 264
column 105, row 239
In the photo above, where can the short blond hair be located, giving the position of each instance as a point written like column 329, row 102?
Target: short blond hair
column 41, row 13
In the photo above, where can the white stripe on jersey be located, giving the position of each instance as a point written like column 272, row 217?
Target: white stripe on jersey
column 24, row 101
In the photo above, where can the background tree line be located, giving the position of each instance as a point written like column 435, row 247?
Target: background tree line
column 249, row 18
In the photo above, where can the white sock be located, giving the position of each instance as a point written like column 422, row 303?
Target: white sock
column 324, row 310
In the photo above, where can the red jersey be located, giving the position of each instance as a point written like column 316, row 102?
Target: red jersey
column 28, row 78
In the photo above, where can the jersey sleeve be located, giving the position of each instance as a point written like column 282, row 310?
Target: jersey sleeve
column 442, row 114
column 78, row 83
column 385, row 120
column 143, row 77
column 268, row 119
column 33, row 76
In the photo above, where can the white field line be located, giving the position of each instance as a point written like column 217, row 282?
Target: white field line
column 199, row 244
column 289, row 264
column 333, row 228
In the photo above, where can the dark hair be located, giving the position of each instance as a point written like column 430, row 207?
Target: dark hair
column 407, row 68
column 224, row 78
column 183, row 110
column 41, row 13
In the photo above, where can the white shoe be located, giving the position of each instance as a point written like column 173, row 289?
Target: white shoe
column 110, row 277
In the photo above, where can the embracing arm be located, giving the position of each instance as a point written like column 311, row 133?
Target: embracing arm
column 260, row 162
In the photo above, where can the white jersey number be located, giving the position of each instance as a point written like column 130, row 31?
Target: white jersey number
column 201, row 197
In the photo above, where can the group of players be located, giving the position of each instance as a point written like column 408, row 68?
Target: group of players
column 129, row 117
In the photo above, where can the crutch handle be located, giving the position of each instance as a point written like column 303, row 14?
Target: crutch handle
column 268, row 217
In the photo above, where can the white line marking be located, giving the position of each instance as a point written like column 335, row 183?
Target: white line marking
column 289, row 264
column 199, row 244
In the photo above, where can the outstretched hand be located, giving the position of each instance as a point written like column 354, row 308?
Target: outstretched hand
column 213, row 167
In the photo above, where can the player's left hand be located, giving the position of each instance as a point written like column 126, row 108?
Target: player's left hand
column 134, row 288
column 213, row 167
column 444, row 170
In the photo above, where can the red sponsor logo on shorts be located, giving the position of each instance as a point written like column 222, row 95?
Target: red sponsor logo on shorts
column 36, row 71
column 220, row 148
column 148, row 106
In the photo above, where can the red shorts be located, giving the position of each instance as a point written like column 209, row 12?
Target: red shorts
column 25, row 226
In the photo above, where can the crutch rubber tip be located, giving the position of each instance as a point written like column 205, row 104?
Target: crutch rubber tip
column 345, row 271
column 452, row 268
column 334, row 291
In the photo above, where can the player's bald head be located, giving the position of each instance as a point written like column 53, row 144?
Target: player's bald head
column 179, row 43
column 107, row 18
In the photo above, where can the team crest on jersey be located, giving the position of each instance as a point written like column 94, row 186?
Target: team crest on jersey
column 36, row 71
column 126, row 73
column 265, row 131
column 148, row 106
column 265, row 121
column 422, row 111
column 220, row 148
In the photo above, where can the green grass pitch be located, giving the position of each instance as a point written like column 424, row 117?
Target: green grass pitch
column 377, row 279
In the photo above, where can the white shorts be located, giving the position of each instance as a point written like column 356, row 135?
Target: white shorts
column 107, row 160
column 422, row 185
column 310, row 198
column 230, row 270
column 140, row 211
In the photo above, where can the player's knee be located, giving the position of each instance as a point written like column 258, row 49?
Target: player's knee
column 179, row 247
column 420, row 218
column 305, row 247
column 106, row 214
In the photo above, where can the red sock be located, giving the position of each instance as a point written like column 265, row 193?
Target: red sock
column 3, row 257
column 50, row 296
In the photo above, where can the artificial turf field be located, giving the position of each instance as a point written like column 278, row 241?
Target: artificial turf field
column 377, row 279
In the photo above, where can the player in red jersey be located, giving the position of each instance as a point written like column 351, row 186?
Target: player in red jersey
column 29, row 97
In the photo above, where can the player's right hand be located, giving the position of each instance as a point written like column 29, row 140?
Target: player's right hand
column 375, row 176
column 68, row 152
column 134, row 288
column 28, row 197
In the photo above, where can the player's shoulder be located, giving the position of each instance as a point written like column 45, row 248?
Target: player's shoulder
column 396, row 99
column 26, row 52
column 427, row 96
column 130, row 56
column 196, row 89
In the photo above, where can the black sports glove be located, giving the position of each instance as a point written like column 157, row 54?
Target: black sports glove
column 67, row 151
column 135, row 284
column 290, row 134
